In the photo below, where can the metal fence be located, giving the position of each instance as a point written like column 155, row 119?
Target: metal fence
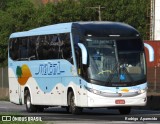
column 4, row 82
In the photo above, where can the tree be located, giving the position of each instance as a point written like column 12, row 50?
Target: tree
column 22, row 15
column 15, row 16
column 132, row 12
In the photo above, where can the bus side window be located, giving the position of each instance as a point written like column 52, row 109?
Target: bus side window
column 53, row 49
column 66, row 50
column 39, row 47
column 13, row 49
column 31, row 48
column 42, row 47
column 23, row 52
column 45, row 47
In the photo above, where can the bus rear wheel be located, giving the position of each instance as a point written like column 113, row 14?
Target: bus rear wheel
column 72, row 108
column 125, row 110
column 29, row 106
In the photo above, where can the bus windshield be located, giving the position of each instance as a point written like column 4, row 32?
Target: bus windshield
column 115, row 61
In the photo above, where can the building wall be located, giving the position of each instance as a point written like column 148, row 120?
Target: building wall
column 157, row 20
column 153, row 66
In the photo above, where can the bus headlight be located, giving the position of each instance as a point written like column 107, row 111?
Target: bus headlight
column 142, row 91
column 93, row 90
column 96, row 91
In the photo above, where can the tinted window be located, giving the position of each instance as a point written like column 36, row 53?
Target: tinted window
column 32, row 48
column 55, row 46
column 18, row 49
column 23, row 48
column 13, row 49
column 66, row 46
column 130, row 45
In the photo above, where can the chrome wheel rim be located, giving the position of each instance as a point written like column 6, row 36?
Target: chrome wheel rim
column 28, row 102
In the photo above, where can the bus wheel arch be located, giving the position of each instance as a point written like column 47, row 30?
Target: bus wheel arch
column 72, row 108
column 27, row 101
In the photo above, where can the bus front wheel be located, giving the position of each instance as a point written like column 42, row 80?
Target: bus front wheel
column 124, row 110
column 72, row 108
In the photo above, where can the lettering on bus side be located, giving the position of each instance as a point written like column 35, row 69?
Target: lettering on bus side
column 49, row 69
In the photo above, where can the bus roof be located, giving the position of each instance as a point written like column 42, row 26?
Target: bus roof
column 50, row 29
column 94, row 28
column 106, row 29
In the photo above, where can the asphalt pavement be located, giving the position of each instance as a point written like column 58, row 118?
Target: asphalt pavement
column 95, row 116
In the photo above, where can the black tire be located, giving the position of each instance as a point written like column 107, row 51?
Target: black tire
column 67, row 109
column 125, row 110
column 71, row 104
column 29, row 106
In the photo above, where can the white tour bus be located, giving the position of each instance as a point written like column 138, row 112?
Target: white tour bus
column 78, row 65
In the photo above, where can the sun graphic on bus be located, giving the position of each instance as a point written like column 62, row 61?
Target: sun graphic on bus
column 23, row 73
column 125, row 90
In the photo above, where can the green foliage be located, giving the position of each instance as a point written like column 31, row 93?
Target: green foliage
column 14, row 16
column 21, row 15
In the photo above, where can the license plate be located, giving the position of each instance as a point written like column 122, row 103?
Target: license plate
column 121, row 101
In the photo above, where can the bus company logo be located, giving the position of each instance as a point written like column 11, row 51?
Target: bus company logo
column 23, row 74
column 49, row 69
column 6, row 118
column 125, row 90
column 20, row 118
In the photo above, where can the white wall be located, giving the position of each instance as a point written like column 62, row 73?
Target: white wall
column 157, row 20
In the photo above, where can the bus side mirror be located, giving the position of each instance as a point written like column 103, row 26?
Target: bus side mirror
column 151, row 52
column 84, row 53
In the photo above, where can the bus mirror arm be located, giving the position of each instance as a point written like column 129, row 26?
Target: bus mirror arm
column 84, row 53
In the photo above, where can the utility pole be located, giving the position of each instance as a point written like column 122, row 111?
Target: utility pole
column 99, row 11
column 152, row 19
